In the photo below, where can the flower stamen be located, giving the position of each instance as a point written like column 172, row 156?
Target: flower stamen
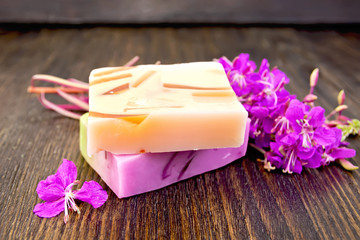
column 281, row 126
column 291, row 162
column 306, row 131
column 69, row 200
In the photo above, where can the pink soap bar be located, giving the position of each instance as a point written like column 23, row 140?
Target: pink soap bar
column 132, row 174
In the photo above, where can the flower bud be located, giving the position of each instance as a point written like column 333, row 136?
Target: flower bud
column 341, row 97
column 310, row 98
column 341, row 108
column 314, row 77
column 347, row 165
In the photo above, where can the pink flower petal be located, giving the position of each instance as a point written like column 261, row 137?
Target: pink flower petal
column 49, row 209
column 316, row 116
column 50, row 189
column 92, row 192
column 342, row 152
column 324, row 136
column 67, row 173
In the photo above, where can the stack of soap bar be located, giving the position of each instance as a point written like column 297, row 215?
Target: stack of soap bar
column 163, row 108
column 132, row 174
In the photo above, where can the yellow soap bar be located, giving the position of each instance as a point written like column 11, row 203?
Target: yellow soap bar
column 163, row 108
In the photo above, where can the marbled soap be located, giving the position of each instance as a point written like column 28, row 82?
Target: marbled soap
column 132, row 174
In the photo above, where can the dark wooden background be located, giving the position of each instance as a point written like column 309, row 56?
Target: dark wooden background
column 184, row 11
column 239, row 201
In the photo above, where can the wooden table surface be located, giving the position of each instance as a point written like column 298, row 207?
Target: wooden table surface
column 239, row 201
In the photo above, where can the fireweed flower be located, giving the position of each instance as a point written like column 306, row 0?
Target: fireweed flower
column 56, row 191
column 239, row 72
column 286, row 154
column 291, row 134
column 336, row 150
column 308, row 124
column 303, row 135
column 262, row 93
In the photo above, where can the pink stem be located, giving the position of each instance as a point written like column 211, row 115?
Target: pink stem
column 132, row 61
column 73, row 100
column 56, row 108
column 78, row 81
column 70, row 107
column 57, row 80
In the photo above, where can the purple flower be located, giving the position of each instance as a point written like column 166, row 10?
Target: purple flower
column 308, row 124
column 239, row 72
column 286, row 154
column 282, row 126
column 56, row 191
column 336, row 150
column 291, row 134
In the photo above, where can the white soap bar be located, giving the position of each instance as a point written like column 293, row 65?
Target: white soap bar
column 163, row 108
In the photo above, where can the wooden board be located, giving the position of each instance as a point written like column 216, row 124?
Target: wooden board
column 239, row 201
column 185, row 11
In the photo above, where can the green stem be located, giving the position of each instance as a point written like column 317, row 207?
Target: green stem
column 258, row 149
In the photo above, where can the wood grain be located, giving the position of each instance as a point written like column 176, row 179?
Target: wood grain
column 239, row 201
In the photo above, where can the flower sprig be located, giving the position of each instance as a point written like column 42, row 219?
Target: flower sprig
column 291, row 134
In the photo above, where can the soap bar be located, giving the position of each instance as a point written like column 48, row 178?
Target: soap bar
column 163, row 108
column 132, row 174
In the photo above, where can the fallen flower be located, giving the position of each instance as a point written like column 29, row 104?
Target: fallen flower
column 56, row 191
